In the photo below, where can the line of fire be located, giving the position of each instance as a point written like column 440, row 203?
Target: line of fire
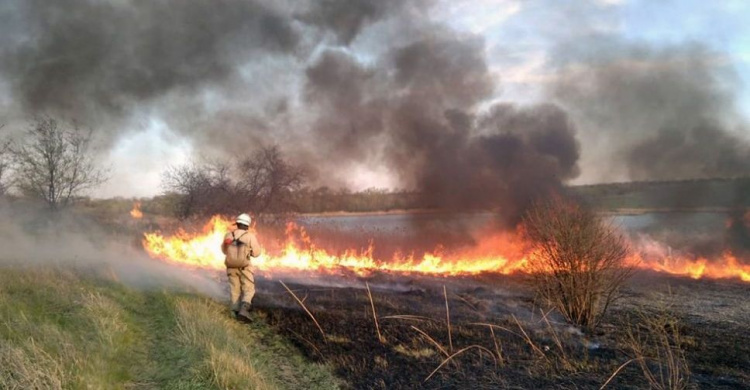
column 499, row 253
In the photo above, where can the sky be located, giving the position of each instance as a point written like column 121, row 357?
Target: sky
column 531, row 49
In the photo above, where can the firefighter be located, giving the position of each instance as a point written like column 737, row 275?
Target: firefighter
column 239, row 246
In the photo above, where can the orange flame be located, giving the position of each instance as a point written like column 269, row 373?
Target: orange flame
column 136, row 211
column 653, row 256
column 199, row 250
column 299, row 253
column 498, row 253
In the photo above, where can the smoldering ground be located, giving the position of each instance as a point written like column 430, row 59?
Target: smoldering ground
column 412, row 320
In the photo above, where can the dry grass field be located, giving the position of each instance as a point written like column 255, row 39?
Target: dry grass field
column 65, row 330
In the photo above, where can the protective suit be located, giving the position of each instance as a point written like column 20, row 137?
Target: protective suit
column 239, row 247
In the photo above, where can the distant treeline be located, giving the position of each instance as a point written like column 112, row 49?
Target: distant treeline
column 673, row 195
column 319, row 200
column 324, row 200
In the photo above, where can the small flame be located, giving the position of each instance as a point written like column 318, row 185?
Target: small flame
column 503, row 253
column 136, row 211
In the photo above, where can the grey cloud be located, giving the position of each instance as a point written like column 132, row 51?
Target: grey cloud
column 658, row 113
column 85, row 58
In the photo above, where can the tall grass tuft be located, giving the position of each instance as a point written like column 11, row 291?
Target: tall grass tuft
column 30, row 367
column 657, row 346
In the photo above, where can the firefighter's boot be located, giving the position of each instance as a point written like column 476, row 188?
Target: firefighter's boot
column 244, row 313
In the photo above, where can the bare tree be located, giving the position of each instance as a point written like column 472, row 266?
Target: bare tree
column 189, row 182
column 54, row 163
column 580, row 261
column 267, row 182
column 262, row 184
column 199, row 186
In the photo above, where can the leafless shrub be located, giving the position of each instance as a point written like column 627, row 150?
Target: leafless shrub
column 268, row 182
column 657, row 345
column 54, row 163
column 579, row 265
column 202, row 188
column 261, row 184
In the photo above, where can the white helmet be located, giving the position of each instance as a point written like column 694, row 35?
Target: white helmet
column 244, row 219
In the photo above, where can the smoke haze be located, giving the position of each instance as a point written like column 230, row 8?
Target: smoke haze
column 667, row 114
column 381, row 86
column 29, row 239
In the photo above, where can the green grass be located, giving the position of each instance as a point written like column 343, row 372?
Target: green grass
column 60, row 330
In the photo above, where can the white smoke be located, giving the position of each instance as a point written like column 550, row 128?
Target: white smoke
column 29, row 239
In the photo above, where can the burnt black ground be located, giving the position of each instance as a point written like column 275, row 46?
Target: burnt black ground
column 714, row 317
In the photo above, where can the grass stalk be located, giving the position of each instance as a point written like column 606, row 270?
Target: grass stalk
column 469, row 304
column 449, row 358
column 435, row 343
column 307, row 341
column 656, row 344
column 528, row 339
column 305, row 308
column 448, row 319
column 617, row 371
column 554, row 335
column 497, row 327
column 407, row 317
column 498, row 349
column 374, row 314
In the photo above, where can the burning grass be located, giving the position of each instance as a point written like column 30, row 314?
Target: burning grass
column 506, row 252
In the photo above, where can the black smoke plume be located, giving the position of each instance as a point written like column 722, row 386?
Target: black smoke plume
column 418, row 112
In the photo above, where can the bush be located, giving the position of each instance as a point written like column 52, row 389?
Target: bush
column 578, row 264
